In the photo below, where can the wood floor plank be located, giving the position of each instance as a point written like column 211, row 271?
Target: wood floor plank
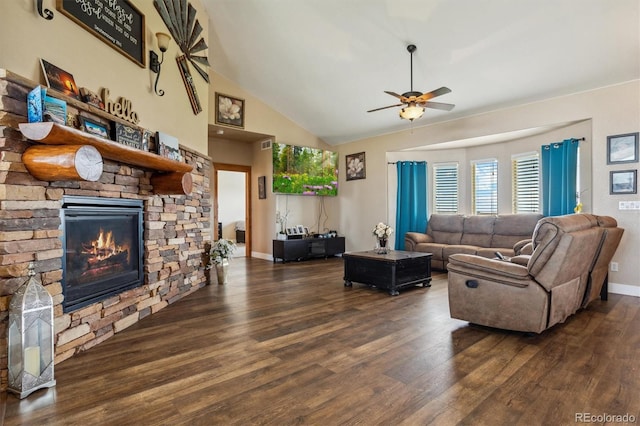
column 289, row 344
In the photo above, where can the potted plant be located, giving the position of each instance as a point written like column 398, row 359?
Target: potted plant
column 281, row 219
column 219, row 256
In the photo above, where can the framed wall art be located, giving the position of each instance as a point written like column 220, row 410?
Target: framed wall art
column 356, row 166
column 229, row 111
column 623, row 182
column 622, row 148
column 262, row 187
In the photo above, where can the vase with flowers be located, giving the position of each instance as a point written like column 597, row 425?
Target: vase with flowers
column 382, row 232
column 219, row 256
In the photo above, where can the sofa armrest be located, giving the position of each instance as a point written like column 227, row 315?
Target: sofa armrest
column 522, row 259
column 523, row 247
column 491, row 269
column 411, row 239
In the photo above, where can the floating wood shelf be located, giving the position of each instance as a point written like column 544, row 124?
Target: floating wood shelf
column 50, row 133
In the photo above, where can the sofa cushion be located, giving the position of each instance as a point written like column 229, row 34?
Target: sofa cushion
column 446, row 229
column 478, row 231
column 458, row 249
column 508, row 229
column 434, row 248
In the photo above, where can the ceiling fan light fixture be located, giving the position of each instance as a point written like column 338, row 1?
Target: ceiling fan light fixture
column 411, row 112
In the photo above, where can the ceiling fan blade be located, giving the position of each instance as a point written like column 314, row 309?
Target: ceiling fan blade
column 434, row 93
column 390, row 106
column 402, row 98
column 437, row 105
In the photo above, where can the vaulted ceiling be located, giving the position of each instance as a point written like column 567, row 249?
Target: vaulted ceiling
column 324, row 63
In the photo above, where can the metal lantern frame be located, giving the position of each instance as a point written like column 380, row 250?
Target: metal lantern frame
column 31, row 336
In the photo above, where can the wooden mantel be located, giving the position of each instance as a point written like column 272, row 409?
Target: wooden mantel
column 178, row 178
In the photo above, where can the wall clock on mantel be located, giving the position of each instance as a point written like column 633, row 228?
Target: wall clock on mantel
column 180, row 18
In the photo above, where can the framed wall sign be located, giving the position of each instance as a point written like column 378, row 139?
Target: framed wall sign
column 622, row 148
column 127, row 135
column 117, row 23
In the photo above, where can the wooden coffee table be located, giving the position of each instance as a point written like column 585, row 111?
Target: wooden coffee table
column 391, row 271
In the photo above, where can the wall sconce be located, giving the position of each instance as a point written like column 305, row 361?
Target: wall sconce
column 154, row 64
column 30, row 335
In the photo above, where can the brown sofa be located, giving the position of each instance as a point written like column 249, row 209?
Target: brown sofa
column 478, row 235
column 531, row 293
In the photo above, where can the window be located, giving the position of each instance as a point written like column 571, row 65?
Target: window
column 525, row 169
column 484, row 190
column 445, row 181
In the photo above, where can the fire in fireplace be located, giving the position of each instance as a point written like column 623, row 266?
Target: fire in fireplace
column 103, row 248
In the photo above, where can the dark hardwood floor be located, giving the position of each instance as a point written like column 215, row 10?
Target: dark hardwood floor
column 289, row 344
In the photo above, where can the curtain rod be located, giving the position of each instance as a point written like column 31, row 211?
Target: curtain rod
column 408, row 161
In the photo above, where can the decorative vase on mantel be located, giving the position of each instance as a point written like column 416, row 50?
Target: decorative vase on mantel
column 222, row 270
column 382, row 246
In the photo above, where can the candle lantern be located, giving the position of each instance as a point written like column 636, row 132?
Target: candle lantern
column 30, row 338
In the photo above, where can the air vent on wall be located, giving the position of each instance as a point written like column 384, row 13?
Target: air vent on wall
column 266, row 144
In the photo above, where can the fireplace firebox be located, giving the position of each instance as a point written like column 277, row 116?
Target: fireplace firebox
column 103, row 248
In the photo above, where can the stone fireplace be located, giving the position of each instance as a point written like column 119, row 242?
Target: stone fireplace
column 41, row 221
column 102, row 249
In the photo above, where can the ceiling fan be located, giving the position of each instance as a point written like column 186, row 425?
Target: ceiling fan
column 416, row 102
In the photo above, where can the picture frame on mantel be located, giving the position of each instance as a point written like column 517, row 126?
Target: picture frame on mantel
column 59, row 79
column 229, row 111
column 622, row 148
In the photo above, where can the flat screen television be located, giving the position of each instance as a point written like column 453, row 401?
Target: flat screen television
column 302, row 170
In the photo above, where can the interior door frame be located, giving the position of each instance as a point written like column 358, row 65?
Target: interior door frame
column 247, row 202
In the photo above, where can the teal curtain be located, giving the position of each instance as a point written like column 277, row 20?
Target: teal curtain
column 411, row 207
column 559, row 177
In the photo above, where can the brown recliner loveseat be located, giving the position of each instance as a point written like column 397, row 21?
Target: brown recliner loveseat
column 480, row 235
column 531, row 293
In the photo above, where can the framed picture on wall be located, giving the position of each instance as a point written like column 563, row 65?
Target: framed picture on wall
column 229, row 110
column 262, row 187
column 623, row 182
column 356, row 166
column 622, row 148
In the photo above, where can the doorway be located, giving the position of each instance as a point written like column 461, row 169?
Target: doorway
column 232, row 205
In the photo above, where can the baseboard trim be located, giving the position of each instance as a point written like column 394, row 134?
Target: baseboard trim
column 624, row 289
column 263, row 256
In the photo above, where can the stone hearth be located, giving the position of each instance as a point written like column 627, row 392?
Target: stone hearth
column 176, row 230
